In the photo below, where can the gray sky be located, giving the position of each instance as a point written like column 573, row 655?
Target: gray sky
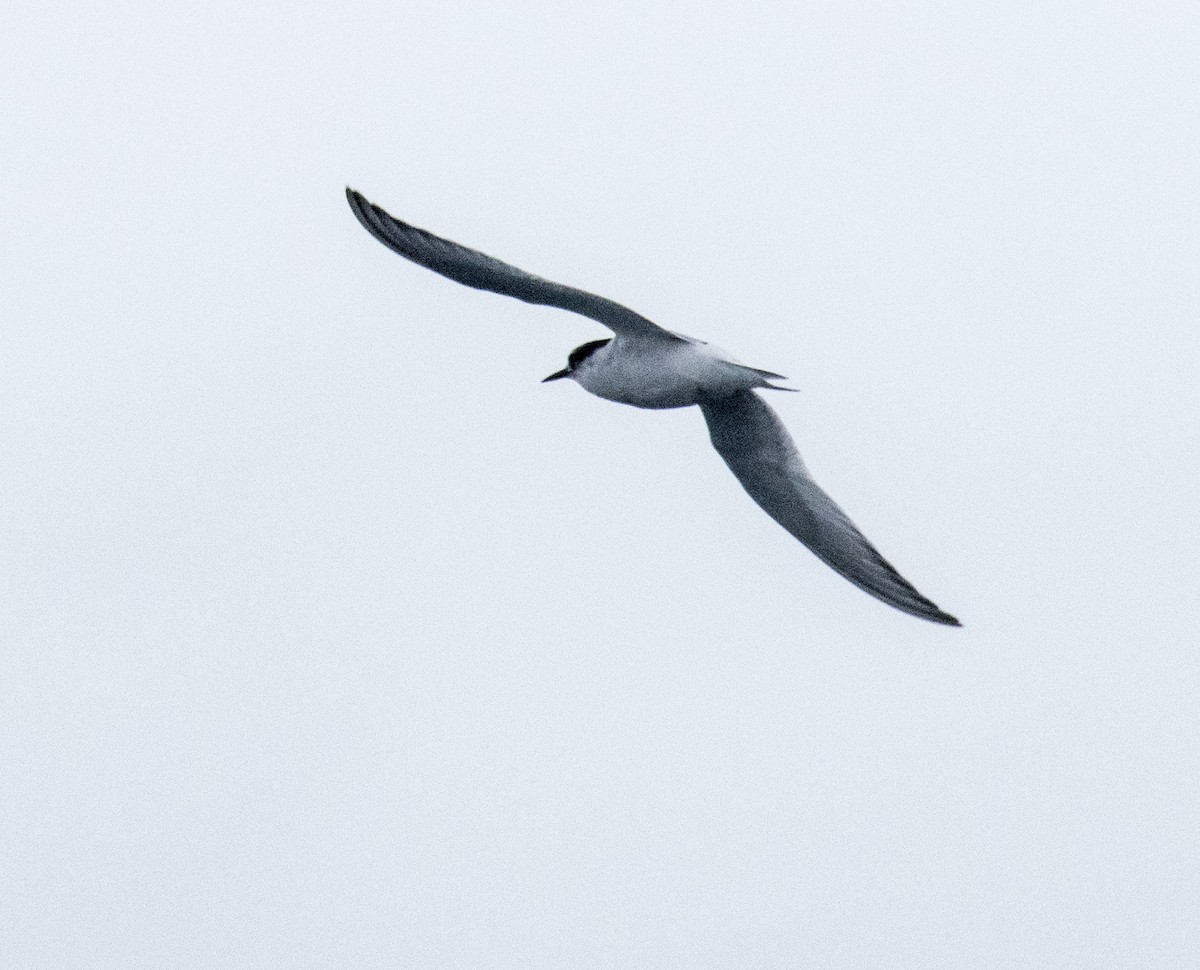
column 332, row 638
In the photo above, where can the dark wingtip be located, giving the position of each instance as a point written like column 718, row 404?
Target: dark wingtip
column 945, row 618
column 368, row 216
column 356, row 199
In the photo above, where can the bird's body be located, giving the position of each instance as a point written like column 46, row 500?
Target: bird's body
column 657, row 374
column 647, row 366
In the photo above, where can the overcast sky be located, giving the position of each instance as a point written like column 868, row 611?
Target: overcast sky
column 331, row 638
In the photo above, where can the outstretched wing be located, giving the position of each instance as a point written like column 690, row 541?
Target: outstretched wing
column 472, row 268
column 760, row 452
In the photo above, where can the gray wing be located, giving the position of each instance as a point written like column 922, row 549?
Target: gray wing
column 472, row 268
column 760, row 452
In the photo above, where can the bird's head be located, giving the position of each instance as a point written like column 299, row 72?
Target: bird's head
column 576, row 358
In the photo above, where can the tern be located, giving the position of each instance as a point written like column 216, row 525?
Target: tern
column 646, row 366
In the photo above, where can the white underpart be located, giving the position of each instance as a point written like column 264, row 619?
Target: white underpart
column 651, row 373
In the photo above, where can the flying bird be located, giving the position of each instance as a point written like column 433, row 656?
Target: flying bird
column 646, row 366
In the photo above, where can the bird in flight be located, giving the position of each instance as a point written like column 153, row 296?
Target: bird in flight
column 646, row 366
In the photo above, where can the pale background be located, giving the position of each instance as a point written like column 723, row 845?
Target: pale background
column 333, row 639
